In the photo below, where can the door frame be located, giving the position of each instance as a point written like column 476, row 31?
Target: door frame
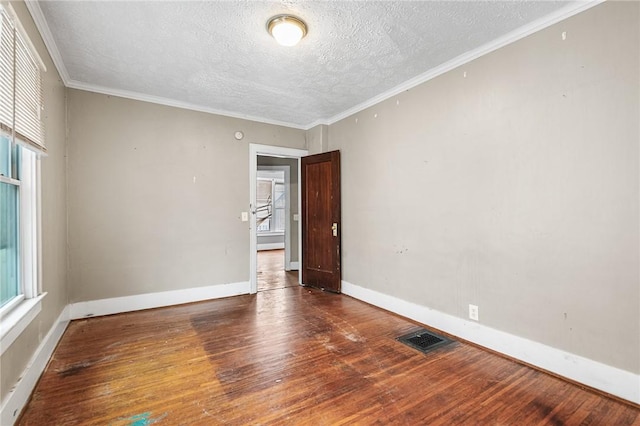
column 268, row 151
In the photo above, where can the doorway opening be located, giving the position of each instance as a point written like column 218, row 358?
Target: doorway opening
column 277, row 257
column 271, row 272
column 275, row 245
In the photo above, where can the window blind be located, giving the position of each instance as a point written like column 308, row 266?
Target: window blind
column 6, row 73
column 20, row 88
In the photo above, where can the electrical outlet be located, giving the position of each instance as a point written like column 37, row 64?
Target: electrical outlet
column 473, row 312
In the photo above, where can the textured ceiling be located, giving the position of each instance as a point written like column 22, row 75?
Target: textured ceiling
column 217, row 55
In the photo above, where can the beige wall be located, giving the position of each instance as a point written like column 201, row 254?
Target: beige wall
column 54, row 275
column 293, row 192
column 515, row 189
column 155, row 196
column 317, row 139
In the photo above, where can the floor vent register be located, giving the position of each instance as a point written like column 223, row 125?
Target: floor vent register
column 424, row 340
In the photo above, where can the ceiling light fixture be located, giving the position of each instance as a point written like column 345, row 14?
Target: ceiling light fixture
column 286, row 29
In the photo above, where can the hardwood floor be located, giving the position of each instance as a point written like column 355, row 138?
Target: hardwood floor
column 271, row 273
column 292, row 356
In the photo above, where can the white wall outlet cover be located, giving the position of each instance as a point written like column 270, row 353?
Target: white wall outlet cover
column 245, row 216
column 473, row 312
column 296, row 217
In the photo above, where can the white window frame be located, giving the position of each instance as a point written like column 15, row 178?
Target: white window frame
column 18, row 313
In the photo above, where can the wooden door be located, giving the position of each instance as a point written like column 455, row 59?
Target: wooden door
column 320, row 179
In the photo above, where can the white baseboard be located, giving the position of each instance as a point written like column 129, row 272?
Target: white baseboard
column 293, row 266
column 138, row 302
column 270, row 246
column 17, row 398
column 612, row 380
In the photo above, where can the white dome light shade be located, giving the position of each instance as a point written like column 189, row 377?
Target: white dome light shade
column 286, row 29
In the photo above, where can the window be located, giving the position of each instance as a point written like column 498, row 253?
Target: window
column 9, row 226
column 21, row 146
column 270, row 202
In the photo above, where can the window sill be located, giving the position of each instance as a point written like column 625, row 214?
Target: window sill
column 270, row 234
column 17, row 320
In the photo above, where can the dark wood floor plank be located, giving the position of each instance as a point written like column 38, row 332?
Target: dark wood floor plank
column 292, row 356
column 271, row 273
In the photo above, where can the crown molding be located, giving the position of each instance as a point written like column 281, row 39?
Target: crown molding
column 566, row 12
column 524, row 31
column 73, row 84
column 322, row 122
column 41, row 24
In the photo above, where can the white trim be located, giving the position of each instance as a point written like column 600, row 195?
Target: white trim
column 9, row 180
column 17, row 319
column 270, row 246
column 612, row 380
column 17, row 398
column 39, row 224
column 29, row 225
column 45, row 32
column 287, row 218
column 271, row 234
column 272, row 151
column 8, row 306
column 41, row 23
column 559, row 15
column 128, row 94
column 566, row 12
column 299, row 221
column 117, row 305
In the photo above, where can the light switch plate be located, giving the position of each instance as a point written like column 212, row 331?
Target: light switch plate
column 296, row 217
column 245, row 216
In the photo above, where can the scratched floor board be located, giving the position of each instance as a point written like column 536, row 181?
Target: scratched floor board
column 292, row 356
